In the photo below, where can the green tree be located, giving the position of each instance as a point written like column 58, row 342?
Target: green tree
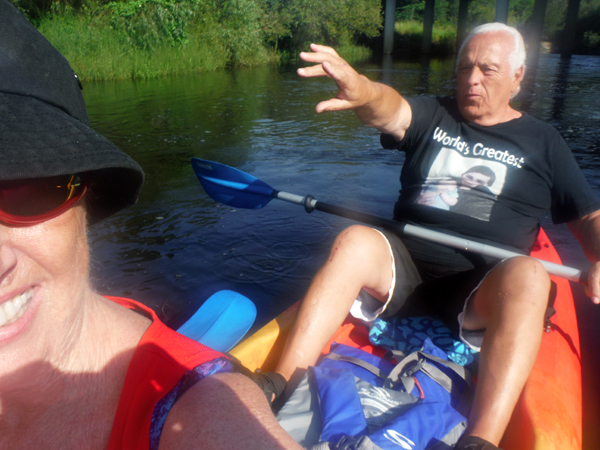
column 331, row 22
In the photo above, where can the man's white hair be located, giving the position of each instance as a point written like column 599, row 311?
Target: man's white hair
column 516, row 58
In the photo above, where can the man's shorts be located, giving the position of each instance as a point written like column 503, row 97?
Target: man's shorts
column 425, row 289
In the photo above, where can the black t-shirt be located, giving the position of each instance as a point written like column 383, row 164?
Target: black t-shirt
column 488, row 183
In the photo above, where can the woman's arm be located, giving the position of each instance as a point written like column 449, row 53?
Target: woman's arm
column 224, row 411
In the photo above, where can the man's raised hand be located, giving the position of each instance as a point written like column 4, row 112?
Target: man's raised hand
column 354, row 89
column 377, row 105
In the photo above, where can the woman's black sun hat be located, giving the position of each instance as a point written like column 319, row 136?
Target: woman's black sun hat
column 44, row 126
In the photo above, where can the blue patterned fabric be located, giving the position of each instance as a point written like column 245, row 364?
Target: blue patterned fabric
column 162, row 408
column 408, row 334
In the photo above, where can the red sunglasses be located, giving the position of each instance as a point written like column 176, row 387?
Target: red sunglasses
column 29, row 202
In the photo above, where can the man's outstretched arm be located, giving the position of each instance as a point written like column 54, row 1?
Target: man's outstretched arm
column 376, row 104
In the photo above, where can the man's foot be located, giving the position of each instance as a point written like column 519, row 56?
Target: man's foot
column 272, row 384
column 474, row 443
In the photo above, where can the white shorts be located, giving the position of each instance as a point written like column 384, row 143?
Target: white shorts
column 368, row 308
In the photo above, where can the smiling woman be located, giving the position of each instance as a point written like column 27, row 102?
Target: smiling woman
column 79, row 370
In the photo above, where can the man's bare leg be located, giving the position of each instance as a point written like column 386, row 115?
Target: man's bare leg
column 510, row 304
column 359, row 259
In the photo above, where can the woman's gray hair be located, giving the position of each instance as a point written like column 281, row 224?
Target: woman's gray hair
column 517, row 55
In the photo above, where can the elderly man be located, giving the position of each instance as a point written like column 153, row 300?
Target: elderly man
column 498, row 307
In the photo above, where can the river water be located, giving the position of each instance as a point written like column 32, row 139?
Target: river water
column 176, row 246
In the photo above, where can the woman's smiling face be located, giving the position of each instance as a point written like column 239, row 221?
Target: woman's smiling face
column 43, row 280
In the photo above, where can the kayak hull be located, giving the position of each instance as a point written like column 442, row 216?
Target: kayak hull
column 548, row 414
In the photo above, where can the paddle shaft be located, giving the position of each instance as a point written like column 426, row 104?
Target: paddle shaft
column 235, row 188
column 310, row 204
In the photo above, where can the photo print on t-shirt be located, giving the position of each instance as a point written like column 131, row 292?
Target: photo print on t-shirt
column 462, row 185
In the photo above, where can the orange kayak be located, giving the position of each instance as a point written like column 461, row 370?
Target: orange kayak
column 548, row 415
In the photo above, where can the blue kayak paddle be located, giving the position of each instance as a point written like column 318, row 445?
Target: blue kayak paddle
column 235, row 188
column 221, row 321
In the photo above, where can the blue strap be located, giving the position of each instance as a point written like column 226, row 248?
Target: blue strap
column 370, row 376
column 164, row 405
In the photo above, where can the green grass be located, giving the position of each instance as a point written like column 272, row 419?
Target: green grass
column 353, row 53
column 409, row 35
column 97, row 51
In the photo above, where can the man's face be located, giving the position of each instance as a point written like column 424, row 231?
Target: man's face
column 484, row 80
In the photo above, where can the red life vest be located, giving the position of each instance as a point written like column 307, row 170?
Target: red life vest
column 161, row 359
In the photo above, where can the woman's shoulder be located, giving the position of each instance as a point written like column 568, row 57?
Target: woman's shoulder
column 126, row 326
column 226, row 410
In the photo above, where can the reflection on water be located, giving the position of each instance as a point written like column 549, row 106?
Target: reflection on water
column 176, row 247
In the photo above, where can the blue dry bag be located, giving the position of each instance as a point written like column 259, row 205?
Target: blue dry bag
column 355, row 400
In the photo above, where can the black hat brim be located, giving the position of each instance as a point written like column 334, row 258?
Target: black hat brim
column 41, row 140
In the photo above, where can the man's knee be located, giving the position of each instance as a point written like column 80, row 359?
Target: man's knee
column 361, row 243
column 364, row 254
column 524, row 274
column 520, row 282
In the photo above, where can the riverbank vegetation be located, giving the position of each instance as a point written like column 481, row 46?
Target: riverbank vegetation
column 149, row 38
column 117, row 39
column 409, row 22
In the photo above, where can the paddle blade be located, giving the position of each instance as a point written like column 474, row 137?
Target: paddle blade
column 221, row 321
column 231, row 186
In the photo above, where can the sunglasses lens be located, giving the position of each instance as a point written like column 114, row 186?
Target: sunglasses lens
column 26, row 198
